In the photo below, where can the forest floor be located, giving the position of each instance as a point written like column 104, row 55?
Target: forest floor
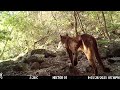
column 59, row 65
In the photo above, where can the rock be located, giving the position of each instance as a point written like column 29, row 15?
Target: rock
column 42, row 72
column 111, row 61
column 81, row 55
column 103, row 52
column 37, row 55
column 34, row 58
column 20, row 67
column 35, row 66
column 46, row 53
column 17, row 68
column 49, row 55
column 89, row 68
column 103, row 55
column 114, row 53
column 30, row 59
column 38, row 51
column 113, row 50
column 61, row 53
column 114, row 59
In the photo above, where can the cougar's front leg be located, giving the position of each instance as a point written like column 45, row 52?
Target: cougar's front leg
column 70, row 56
column 75, row 58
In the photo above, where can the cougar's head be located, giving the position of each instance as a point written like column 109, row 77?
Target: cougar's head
column 64, row 39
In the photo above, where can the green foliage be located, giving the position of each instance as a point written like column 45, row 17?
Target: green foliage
column 4, row 35
column 20, row 29
column 103, row 42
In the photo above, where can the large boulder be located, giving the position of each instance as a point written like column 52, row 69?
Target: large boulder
column 34, row 58
column 113, row 50
column 45, row 52
column 36, row 55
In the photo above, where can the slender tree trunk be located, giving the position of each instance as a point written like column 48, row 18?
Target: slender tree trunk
column 81, row 24
column 55, row 20
column 75, row 17
column 105, row 26
column 98, row 18
column 111, row 18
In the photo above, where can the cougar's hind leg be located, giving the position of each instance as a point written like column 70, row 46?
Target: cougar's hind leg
column 90, row 56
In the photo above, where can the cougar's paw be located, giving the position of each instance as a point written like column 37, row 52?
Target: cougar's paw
column 106, row 70
column 71, row 66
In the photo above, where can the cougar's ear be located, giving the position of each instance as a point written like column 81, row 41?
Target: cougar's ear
column 66, row 34
column 60, row 36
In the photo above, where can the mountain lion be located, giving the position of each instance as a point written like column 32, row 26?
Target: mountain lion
column 85, row 43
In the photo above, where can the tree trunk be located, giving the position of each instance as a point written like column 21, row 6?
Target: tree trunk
column 75, row 17
column 81, row 24
column 55, row 20
column 111, row 18
column 105, row 26
column 98, row 18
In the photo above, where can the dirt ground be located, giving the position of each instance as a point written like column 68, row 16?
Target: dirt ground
column 59, row 65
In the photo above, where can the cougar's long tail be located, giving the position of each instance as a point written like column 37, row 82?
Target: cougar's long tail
column 97, row 55
column 96, row 50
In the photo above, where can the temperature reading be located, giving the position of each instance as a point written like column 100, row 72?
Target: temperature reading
column 33, row 77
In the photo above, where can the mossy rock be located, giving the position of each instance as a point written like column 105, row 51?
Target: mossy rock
column 33, row 59
column 61, row 53
column 20, row 67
